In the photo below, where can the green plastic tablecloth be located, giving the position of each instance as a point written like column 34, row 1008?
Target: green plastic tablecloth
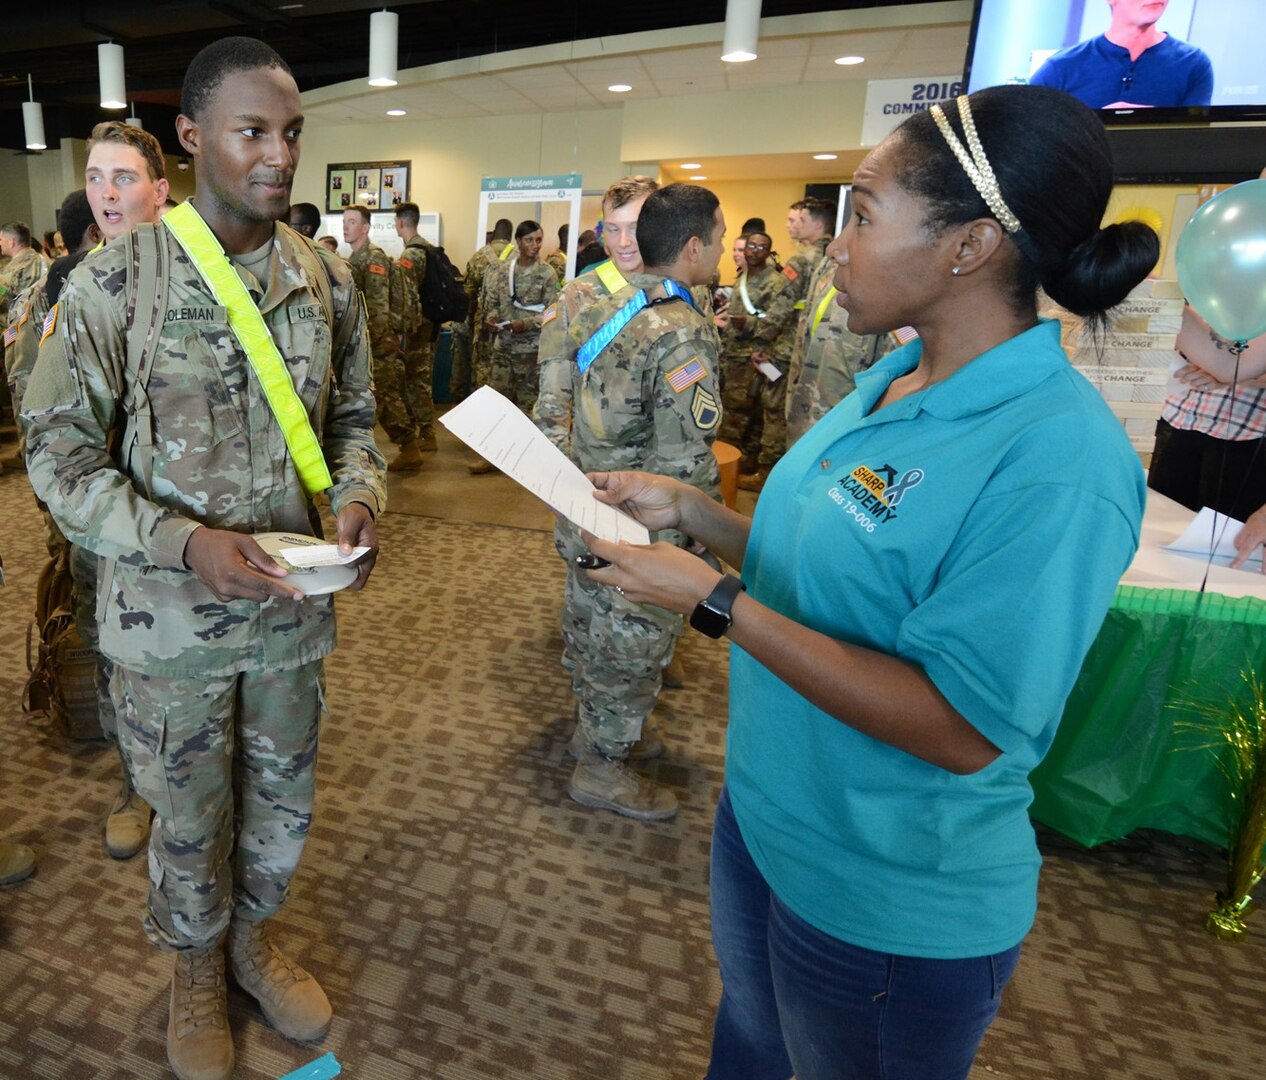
column 1117, row 764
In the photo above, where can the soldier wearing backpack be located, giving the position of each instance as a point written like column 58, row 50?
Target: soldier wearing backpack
column 233, row 369
column 409, row 320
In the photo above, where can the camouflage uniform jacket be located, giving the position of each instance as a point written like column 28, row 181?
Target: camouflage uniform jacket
column 535, row 284
column 22, row 339
column 562, row 335
column 558, row 263
column 407, row 318
column 23, row 271
column 372, row 272
column 649, row 400
column 219, row 457
column 802, row 264
column 826, row 357
column 473, row 280
column 772, row 294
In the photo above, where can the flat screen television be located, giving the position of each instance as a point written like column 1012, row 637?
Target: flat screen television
column 1185, row 113
column 1209, row 67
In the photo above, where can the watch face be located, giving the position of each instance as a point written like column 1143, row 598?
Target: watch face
column 709, row 621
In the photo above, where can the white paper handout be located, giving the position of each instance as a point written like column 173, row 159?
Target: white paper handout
column 320, row 555
column 1210, row 532
column 769, row 371
column 492, row 425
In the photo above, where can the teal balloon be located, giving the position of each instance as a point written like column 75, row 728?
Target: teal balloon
column 1221, row 261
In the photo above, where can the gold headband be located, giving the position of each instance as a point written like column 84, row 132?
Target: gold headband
column 976, row 164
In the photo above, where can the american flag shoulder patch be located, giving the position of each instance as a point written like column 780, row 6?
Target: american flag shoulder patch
column 11, row 335
column 687, row 375
column 50, row 323
column 549, row 313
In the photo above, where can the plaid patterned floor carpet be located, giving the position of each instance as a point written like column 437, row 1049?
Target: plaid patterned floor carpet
column 470, row 923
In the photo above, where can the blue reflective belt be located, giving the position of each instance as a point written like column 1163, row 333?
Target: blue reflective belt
column 606, row 333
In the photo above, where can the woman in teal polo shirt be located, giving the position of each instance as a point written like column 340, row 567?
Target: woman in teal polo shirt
column 924, row 574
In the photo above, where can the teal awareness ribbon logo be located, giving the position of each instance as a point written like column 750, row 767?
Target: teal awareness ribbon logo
column 909, row 479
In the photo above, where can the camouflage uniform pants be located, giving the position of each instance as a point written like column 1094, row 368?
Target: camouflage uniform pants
column 83, row 572
column 419, row 366
column 480, row 360
column 514, row 373
column 773, row 432
column 229, row 766
column 459, row 374
column 741, row 411
column 392, row 396
column 619, row 650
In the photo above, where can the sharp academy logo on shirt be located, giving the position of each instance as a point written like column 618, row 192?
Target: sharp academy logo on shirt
column 871, row 496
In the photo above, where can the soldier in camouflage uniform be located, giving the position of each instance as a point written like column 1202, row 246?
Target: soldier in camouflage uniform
column 558, row 259
column 499, row 247
column 809, row 224
column 125, row 185
column 22, row 270
column 372, row 271
column 756, row 327
column 647, row 400
column 562, row 335
column 417, row 333
column 826, row 356
column 218, row 658
column 516, row 292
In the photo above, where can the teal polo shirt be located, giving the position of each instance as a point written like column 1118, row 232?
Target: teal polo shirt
column 976, row 529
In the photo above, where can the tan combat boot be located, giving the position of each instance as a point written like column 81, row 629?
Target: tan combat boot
column 292, row 1000
column 611, row 785
column 17, row 862
column 409, row 459
column 427, row 443
column 199, row 1045
column 127, row 827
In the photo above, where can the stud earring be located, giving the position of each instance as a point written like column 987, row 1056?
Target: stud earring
column 956, row 270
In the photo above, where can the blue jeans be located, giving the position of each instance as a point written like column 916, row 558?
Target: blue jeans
column 796, row 1000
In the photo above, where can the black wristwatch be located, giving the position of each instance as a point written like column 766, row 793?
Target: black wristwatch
column 711, row 615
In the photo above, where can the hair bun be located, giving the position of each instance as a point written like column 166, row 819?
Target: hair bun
column 1100, row 271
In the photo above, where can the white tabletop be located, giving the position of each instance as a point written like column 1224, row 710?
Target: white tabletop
column 1155, row 568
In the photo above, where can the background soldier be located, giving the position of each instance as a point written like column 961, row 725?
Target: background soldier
column 372, row 272
column 648, row 400
column 417, row 332
column 125, row 186
column 22, row 269
column 500, row 246
column 756, row 327
column 217, row 658
column 826, row 356
column 809, row 224
column 558, row 259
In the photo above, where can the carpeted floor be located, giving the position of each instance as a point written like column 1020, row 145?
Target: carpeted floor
column 469, row 922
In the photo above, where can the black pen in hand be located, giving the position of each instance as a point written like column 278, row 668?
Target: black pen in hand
column 590, row 561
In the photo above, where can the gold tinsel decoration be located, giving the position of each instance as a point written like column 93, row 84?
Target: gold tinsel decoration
column 1236, row 733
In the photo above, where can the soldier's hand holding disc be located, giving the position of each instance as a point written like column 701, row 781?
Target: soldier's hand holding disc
column 234, row 567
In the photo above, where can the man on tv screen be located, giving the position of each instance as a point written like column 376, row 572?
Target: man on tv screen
column 1133, row 64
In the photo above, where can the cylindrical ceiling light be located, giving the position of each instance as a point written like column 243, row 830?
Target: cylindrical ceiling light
column 384, row 31
column 110, row 74
column 742, row 31
column 134, row 120
column 33, row 120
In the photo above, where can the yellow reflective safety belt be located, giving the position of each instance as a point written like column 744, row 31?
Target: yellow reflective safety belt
column 610, row 276
column 830, row 294
column 257, row 342
column 507, row 251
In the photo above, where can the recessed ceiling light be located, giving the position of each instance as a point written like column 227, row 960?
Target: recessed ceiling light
column 825, row 157
column 619, row 88
column 849, row 61
column 396, row 112
column 691, row 165
column 698, row 178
